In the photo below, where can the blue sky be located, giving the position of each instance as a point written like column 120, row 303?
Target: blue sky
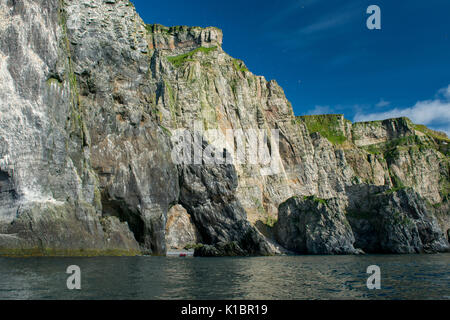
column 325, row 58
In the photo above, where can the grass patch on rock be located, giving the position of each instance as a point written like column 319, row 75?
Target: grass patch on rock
column 179, row 60
column 327, row 125
column 431, row 133
column 316, row 200
column 239, row 65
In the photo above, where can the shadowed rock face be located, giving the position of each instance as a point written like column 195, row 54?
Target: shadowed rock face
column 208, row 193
column 315, row 226
column 89, row 99
column 8, row 197
column 381, row 221
column 396, row 222
column 374, row 220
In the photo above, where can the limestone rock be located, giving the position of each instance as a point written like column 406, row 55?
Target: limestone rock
column 180, row 230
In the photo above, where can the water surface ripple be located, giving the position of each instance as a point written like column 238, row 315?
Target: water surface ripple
column 285, row 277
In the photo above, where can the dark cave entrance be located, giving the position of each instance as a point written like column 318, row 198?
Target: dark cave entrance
column 4, row 180
column 7, row 190
column 119, row 209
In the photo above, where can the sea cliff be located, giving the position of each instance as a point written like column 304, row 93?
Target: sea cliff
column 90, row 100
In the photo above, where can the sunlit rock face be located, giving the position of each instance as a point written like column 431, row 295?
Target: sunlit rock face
column 181, row 232
column 90, row 101
column 49, row 193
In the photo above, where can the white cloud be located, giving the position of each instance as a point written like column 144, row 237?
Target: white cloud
column 433, row 113
column 424, row 112
column 319, row 110
column 383, row 103
column 445, row 92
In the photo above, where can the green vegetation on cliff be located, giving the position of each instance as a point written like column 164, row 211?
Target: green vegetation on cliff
column 327, row 125
column 239, row 65
column 316, row 200
column 270, row 221
column 391, row 148
column 179, row 60
column 431, row 133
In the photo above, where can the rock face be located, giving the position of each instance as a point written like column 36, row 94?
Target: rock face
column 91, row 103
column 374, row 221
column 49, row 193
column 180, row 230
column 396, row 222
column 314, row 226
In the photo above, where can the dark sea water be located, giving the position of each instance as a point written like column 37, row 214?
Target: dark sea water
column 286, row 277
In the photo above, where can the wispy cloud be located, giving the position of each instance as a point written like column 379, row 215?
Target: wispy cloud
column 433, row 113
column 311, row 25
column 319, row 110
column 382, row 103
column 445, row 92
column 330, row 21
